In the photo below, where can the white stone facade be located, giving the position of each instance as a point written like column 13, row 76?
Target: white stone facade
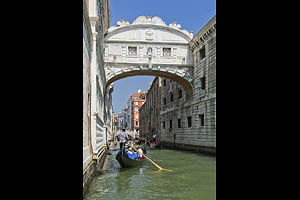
column 97, row 99
column 100, row 96
column 148, row 47
column 87, row 45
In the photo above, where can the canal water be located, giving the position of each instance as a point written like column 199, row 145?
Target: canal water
column 194, row 178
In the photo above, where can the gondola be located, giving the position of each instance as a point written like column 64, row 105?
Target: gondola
column 125, row 161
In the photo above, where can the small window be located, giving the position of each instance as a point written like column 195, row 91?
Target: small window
column 166, row 51
column 171, row 97
column 165, row 82
column 165, row 101
column 180, row 94
column 202, row 82
column 202, row 53
column 132, row 51
column 189, row 119
column 164, row 125
column 201, row 119
column 179, row 123
column 142, row 96
column 136, row 123
column 170, row 123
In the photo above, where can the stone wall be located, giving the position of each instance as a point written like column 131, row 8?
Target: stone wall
column 150, row 111
column 101, row 106
column 95, row 126
column 191, row 125
column 87, row 43
column 94, row 167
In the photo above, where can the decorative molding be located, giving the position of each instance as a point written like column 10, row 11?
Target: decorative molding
column 151, row 22
column 205, row 34
column 146, row 42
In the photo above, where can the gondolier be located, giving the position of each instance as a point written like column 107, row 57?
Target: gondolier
column 122, row 137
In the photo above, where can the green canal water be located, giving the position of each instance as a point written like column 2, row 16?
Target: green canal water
column 194, row 178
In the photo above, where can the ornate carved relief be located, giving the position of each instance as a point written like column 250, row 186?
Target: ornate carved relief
column 122, row 22
column 149, row 34
column 151, row 21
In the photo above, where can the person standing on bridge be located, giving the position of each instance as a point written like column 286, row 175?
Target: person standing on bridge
column 122, row 137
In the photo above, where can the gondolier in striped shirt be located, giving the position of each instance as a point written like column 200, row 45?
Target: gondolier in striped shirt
column 122, row 137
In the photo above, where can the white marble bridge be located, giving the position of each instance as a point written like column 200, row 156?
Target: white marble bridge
column 148, row 47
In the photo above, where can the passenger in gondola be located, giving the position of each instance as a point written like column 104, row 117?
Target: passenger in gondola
column 132, row 155
column 129, row 151
column 140, row 153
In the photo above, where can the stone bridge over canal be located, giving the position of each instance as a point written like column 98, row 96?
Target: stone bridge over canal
column 149, row 47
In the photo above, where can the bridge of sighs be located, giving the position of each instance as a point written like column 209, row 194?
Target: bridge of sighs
column 149, row 47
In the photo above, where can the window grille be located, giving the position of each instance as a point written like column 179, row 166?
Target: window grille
column 166, row 51
column 132, row 51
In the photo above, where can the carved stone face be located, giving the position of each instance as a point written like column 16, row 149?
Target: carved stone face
column 149, row 50
column 149, row 32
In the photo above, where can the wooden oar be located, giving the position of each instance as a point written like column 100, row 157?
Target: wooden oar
column 160, row 168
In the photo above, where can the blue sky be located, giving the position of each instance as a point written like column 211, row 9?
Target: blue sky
column 192, row 15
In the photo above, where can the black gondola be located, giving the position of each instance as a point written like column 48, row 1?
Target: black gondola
column 125, row 161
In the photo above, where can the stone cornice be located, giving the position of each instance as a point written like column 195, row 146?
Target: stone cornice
column 145, row 42
column 208, row 31
column 150, row 22
column 112, row 64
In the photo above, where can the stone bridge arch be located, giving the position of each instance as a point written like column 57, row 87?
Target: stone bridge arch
column 175, row 73
column 149, row 47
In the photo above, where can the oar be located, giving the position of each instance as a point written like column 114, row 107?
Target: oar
column 160, row 168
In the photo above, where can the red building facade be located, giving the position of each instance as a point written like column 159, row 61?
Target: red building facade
column 137, row 100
